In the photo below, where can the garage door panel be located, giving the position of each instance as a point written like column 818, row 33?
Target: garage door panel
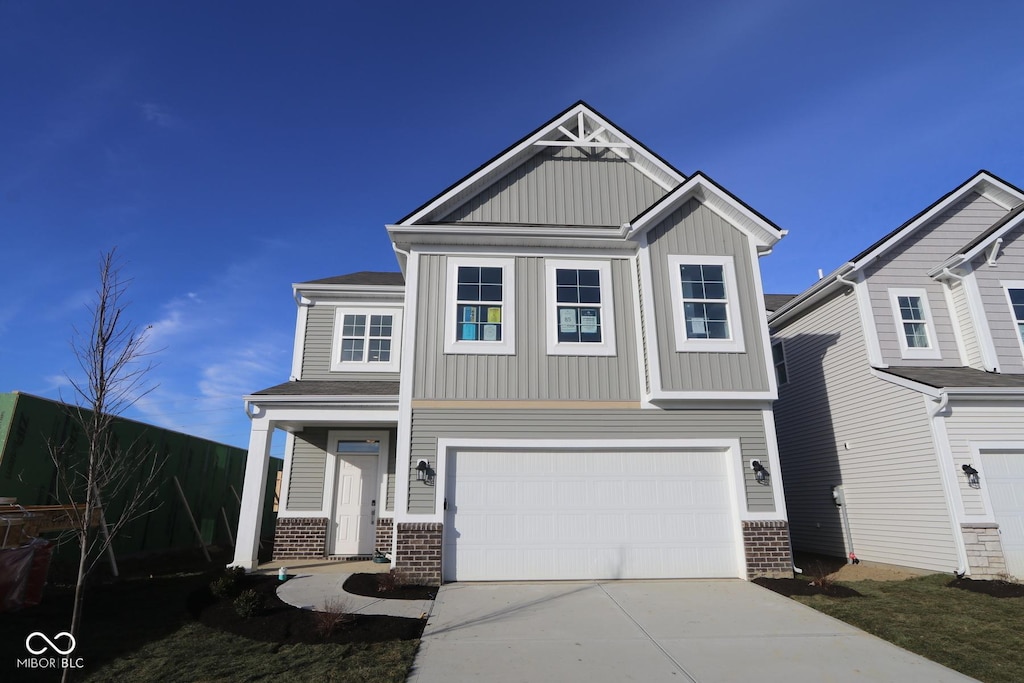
column 1004, row 479
column 573, row 515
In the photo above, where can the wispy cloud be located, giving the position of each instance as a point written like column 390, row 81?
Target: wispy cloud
column 158, row 115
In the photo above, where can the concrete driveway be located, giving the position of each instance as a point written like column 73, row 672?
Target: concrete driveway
column 681, row 631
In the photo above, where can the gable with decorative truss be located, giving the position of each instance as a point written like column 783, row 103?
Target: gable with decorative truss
column 578, row 169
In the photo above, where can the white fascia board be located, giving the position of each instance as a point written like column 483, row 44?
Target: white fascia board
column 907, row 383
column 348, row 292
column 810, row 296
column 732, row 211
column 762, row 323
column 957, row 260
column 998, row 192
column 661, row 395
column 521, row 151
column 340, row 400
column 986, row 393
column 299, row 344
column 626, row 250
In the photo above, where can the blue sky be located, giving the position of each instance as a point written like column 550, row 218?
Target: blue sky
column 229, row 149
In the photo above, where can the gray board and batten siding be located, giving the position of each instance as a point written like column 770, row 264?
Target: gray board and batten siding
column 907, row 265
column 316, row 352
column 428, row 424
column 309, row 468
column 563, row 186
column 529, row 374
column 695, row 230
column 1008, row 266
column 838, row 424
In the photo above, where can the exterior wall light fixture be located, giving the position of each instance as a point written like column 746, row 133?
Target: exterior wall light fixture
column 972, row 477
column 424, row 473
column 760, row 473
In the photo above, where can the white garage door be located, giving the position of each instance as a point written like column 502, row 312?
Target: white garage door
column 1004, row 479
column 589, row 515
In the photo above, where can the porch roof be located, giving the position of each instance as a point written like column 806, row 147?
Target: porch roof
column 960, row 378
column 331, row 388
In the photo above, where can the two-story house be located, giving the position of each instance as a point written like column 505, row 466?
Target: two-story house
column 901, row 408
column 570, row 378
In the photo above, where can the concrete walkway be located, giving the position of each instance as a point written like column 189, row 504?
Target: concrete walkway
column 681, row 631
column 314, row 584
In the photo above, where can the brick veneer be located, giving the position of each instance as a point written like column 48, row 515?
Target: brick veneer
column 300, row 538
column 766, row 545
column 418, row 552
column 385, row 532
column 984, row 551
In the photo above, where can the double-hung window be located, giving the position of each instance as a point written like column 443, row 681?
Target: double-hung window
column 580, row 314
column 779, row 361
column 365, row 340
column 480, row 311
column 915, row 328
column 705, row 302
column 1015, row 298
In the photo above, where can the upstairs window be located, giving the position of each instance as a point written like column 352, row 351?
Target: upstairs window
column 580, row 314
column 706, row 303
column 365, row 340
column 914, row 326
column 480, row 313
column 779, row 361
column 1015, row 297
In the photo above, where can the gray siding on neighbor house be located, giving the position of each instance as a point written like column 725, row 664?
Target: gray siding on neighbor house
column 309, row 467
column 564, row 186
column 695, row 230
column 907, row 265
column 316, row 352
column 530, row 374
column 1009, row 266
column 968, row 333
column 837, row 424
column 746, row 425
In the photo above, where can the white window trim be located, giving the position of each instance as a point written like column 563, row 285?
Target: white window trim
column 507, row 345
column 606, row 347
column 931, row 352
column 366, row 366
column 735, row 342
column 1007, row 285
column 775, row 366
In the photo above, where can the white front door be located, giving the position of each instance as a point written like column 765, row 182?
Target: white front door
column 355, row 504
column 1004, row 479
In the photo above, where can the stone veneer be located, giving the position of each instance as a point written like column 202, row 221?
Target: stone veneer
column 300, row 538
column 984, row 551
column 418, row 552
column 385, row 532
column 766, row 546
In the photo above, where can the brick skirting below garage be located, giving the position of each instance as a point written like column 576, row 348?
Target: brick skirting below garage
column 418, row 553
column 303, row 538
column 766, row 546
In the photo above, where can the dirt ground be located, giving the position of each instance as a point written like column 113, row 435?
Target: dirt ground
column 840, row 569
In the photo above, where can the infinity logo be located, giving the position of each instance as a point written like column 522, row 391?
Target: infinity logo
column 36, row 635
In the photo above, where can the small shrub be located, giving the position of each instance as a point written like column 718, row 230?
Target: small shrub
column 822, row 578
column 248, row 603
column 334, row 613
column 228, row 585
column 387, row 582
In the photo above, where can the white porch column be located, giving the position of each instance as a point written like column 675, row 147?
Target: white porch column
column 250, row 518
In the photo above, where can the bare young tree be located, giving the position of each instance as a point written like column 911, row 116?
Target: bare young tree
column 114, row 362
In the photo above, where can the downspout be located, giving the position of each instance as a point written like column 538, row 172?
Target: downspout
column 842, row 279
column 932, row 414
column 994, row 252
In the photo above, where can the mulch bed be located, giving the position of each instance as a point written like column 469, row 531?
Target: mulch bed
column 374, row 586
column 997, row 589
column 280, row 622
column 791, row 587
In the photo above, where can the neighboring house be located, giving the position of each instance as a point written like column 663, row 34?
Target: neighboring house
column 903, row 386
column 569, row 379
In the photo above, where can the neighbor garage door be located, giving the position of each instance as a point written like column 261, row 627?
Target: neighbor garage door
column 588, row 515
column 1004, row 478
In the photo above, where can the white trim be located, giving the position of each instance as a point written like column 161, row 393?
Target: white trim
column 774, row 466
column 1007, row 285
column 976, row 448
column 662, row 395
column 762, row 318
column 625, row 251
column 330, row 472
column 650, row 320
column 781, row 343
column 606, row 347
column 867, row 321
column 507, row 345
column 286, row 473
column 639, row 331
column 989, row 357
column 734, row 344
column 365, row 365
column 403, row 446
column 945, row 462
column 930, row 352
column 906, row 383
column 299, row 349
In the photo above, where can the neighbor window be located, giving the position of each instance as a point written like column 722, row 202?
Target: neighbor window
column 779, row 360
column 580, row 319
column 705, row 303
column 1015, row 297
column 914, row 326
column 365, row 340
column 480, row 310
